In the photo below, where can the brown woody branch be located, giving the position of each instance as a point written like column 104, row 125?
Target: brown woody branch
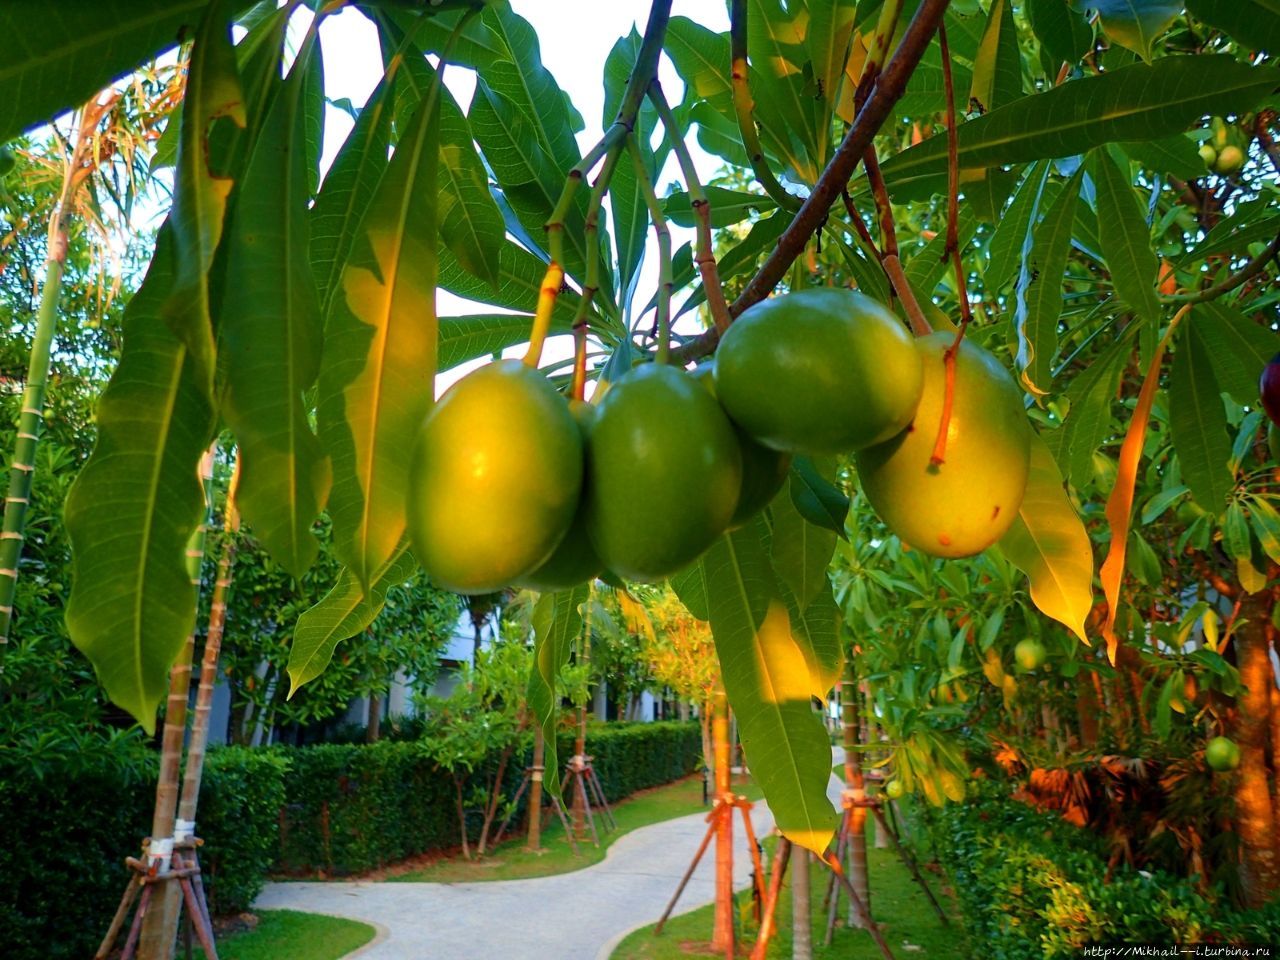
column 808, row 219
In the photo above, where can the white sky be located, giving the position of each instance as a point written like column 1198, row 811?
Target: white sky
column 575, row 37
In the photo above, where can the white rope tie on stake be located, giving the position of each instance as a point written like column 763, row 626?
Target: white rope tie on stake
column 23, row 500
column 33, row 411
column 10, row 535
column 160, row 854
column 8, row 572
column 24, row 467
column 183, row 830
column 23, row 435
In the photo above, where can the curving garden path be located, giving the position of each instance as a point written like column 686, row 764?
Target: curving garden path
column 572, row 916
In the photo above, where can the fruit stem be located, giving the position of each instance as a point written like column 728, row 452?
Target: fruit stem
column 547, row 294
column 893, row 267
column 665, row 280
column 744, row 106
column 952, row 247
column 592, row 281
column 704, row 256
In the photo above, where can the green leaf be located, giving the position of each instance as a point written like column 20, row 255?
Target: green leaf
column 557, row 621
column 1266, row 524
column 997, row 73
column 690, row 585
column 791, row 119
column 200, row 192
column 520, row 118
column 1254, row 24
column 926, row 268
column 829, row 33
column 1089, row 421
column 1061, row 30
column 379, row 359
column 1051, row 546
column 701, row 57
column 1137, row 102
column 1010, row 234
column 53, row 58
column 1038, row 293
column 520, row 276
column 1198, row 421
column 271, row 338
column 1233, row 236
column 470, row 222
column 816, row 630
column 133, row 508
column 346, row 192
column 1175, row 155
column 626, row 200
column 801, row 551
column 1125, row 237
column 481, row 335
column 768, row 682
column 727, row 206
column 816, row 498
column 1239, row 347
column 347, row 609
column 1136, row 23
column 1235, row 532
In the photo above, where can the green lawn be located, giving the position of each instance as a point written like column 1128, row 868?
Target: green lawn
column 909, row 924
column 514, row 861
column 290, row 935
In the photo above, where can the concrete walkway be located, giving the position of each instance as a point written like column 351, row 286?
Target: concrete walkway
column 573, row 916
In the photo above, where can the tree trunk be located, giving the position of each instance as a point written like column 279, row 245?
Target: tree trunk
column 374, row 728
column 1087, row 708
column 580, row 751
column 801, row 907
column 722, row 931
column 535, row 790
column 858, row 874
column 495, row 795
column 462, row 817
column 1255, row 812
column 160, row 927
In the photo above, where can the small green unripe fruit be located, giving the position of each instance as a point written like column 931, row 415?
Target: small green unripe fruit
column 574, row 561
column 495, row 478
column 819, row 371
column 1030, row 654
column 1230, row 160
column 965, row 504
column 1221, row 754
column 1208, row 154
column 894, row 789
column 664, row 472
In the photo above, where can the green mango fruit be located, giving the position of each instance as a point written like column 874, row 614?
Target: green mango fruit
column 1222, row 754
column 574, row 561
column 964, row 505
column 1030, row 654
column 764, row 471
column 818, row 372
column 664, row 472
column 495, row 478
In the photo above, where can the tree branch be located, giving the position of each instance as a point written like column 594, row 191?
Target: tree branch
column 1247, row 272
column 888, row 90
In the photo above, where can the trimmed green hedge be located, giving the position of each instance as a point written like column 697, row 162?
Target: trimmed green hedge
column 1032, row 886
column 333, row 809
column 64, row 837
column 354, row 807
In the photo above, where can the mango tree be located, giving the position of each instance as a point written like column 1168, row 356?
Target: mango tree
column 1020, row 197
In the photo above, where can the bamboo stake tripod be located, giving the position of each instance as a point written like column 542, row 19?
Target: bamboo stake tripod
column 149, row 876
column 534, row 774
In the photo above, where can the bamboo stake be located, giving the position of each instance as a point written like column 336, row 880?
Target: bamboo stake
column 161, row 924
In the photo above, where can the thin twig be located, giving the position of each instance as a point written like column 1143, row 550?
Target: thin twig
column 1246, row 273
column 704, row 256
column 665, row 280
